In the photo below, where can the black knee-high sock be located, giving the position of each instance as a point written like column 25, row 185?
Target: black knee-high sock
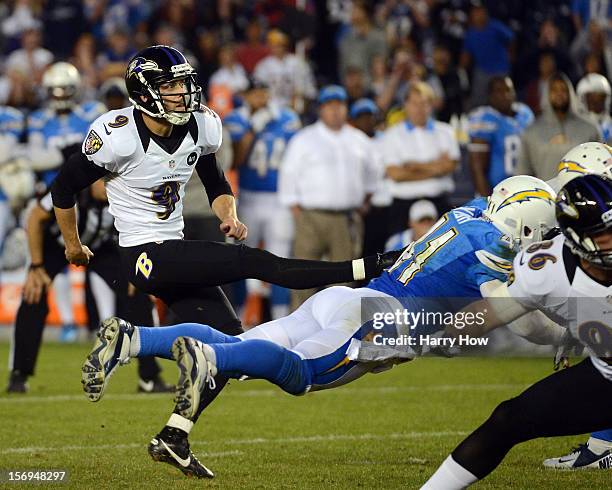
column 299, row 273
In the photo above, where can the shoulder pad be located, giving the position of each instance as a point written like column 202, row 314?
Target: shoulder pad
column 477, row 202
column 105, row 144
column 524, row 114
column 538, row 269
column 210, row 131
column 482, row 120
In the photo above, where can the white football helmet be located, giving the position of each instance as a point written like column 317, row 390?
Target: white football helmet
column 523, row 208
column 586, row 158
column 62, row 82
column 594, row 83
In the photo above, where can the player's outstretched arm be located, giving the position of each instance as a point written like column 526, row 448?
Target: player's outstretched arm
column 74, row 176
column 497, row 308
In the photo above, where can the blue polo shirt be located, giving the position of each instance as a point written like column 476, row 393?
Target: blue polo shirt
column 489, row 47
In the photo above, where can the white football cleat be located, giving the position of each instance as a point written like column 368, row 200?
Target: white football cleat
column 581, row 457
column 193, row 359
column 111, row 350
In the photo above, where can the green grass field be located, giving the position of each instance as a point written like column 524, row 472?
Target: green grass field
column 389, row 430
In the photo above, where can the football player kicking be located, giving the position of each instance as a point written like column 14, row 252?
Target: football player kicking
column 568, row 278
column 146, row 153
column 328, row 341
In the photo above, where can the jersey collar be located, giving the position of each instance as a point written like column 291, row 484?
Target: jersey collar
column 171, row 143
column 429, row 125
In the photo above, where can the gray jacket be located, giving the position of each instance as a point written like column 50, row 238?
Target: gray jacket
column 546, row 141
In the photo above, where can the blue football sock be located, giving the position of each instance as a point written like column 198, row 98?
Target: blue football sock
column 603, row 435
column 266, row 360
column 157, row 341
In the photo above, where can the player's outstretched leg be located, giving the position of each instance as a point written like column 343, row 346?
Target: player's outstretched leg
column 118, row 341
column 171, row 445
column 112, row 349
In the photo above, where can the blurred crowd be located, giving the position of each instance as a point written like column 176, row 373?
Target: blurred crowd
column 339, row 114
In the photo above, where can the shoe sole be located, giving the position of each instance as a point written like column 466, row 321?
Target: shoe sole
column 159, row 455
column 93, row 378
column 190, row 361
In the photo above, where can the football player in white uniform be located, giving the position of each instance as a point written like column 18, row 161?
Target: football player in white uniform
column 586, row 158
column 146, row 153
column 569, row 279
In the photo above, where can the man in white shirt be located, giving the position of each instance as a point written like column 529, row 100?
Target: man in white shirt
column 328, row 173
column 288, row 76
column 420, row 155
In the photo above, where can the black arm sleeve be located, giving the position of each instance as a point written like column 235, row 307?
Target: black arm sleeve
column 67, row 151
column 212, row 177
column 74, row 175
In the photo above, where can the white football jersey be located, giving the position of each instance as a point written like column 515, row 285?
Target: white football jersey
column 547, row 276
column 147, row 184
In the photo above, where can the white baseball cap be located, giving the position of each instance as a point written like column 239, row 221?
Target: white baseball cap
column 422, row 209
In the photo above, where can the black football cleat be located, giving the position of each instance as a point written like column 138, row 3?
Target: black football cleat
column 17, row 383
column 175, row 451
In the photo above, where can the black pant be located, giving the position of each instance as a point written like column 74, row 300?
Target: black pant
column 574, row 401
column 30, row 320
column 181, row 265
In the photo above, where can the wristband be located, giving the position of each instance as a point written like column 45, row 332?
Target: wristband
column 39, row 265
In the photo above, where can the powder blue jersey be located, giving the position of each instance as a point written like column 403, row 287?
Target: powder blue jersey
column 404, row 238
column 11, row 126
column 503, row 135
column 462, row 251
column 260, row 172
column 48, row 128
column 11, row 122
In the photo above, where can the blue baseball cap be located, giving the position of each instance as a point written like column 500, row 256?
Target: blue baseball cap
column 332, row 92
column 363, row 106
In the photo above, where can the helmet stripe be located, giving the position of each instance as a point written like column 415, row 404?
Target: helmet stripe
column 596, row 193
column 605, row 189
column 171, row 55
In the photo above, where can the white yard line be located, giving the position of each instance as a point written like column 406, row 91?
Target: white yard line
column 238, row 442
